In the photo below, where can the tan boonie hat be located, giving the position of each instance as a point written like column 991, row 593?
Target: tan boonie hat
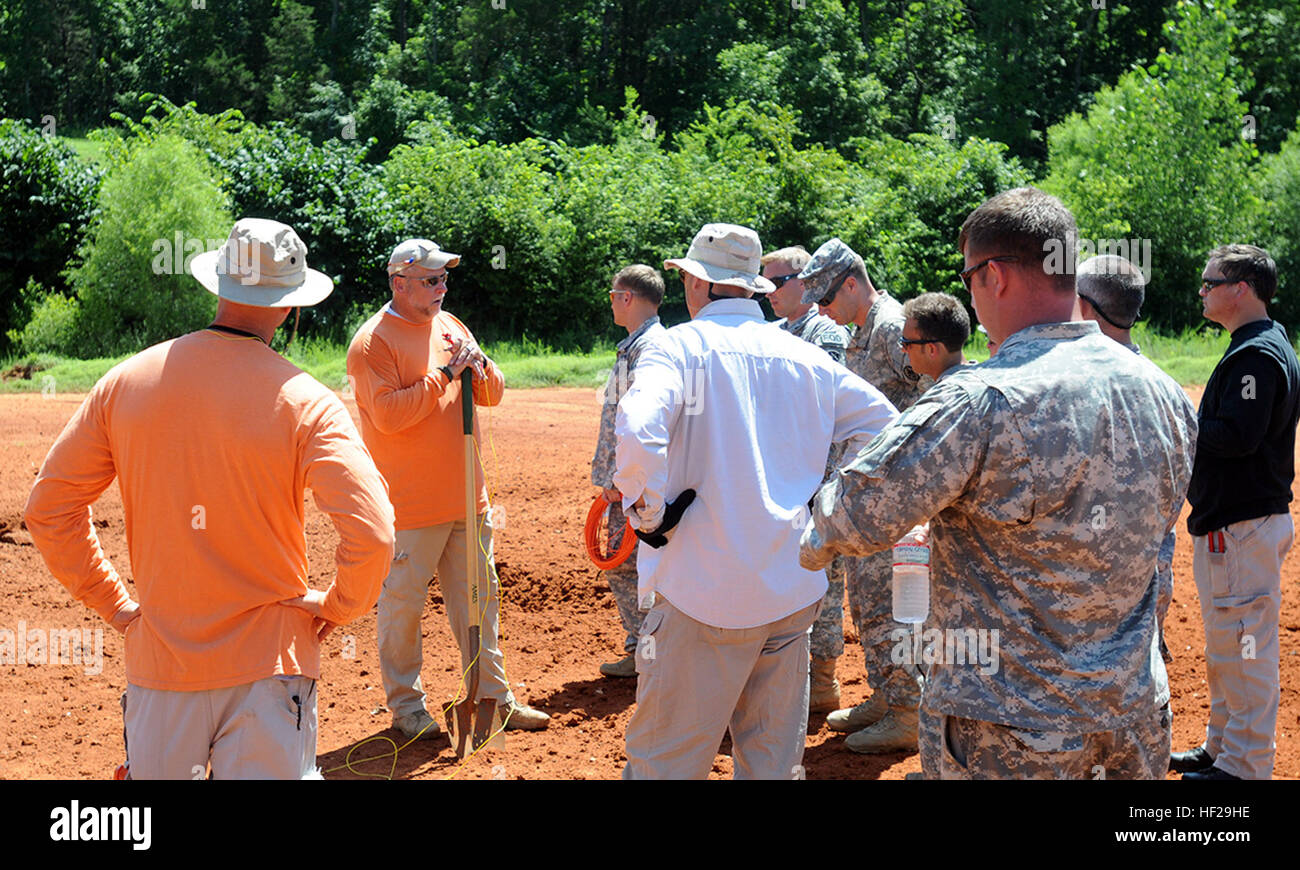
column 420, row 252
column 725, row 254
column 264, row 264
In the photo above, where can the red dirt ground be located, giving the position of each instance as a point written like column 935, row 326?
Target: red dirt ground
column 558, row 624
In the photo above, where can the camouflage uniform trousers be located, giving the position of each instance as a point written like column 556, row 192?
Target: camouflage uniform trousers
column 828, row 631
column 956, row 748
column 869, row 583
column 622, row 582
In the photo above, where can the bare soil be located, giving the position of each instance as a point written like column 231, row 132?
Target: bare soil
column 559, row 623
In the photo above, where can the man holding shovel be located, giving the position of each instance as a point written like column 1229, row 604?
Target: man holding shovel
column 405, row 366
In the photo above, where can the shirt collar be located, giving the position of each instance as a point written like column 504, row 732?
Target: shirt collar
column 637, row 333
column 1070, row 329
column 796, row 325
column 747, row 308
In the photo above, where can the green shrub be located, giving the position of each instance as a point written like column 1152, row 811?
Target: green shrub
column 52, row 327
column 132, row 286
column 1161, row 156
column 47, row 200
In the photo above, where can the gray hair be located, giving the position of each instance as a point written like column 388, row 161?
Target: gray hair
column 1114, row 287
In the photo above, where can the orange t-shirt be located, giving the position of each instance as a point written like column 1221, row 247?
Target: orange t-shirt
column 411, row 416
column 213, row 438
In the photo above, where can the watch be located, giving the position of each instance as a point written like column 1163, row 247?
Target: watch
column 446, row 370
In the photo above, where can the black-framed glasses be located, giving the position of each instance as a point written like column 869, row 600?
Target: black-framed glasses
column 780, row 280
column 908, row 342
column 1104, row 316
column 967, row 274
column 829, row 296
column 1208, row 284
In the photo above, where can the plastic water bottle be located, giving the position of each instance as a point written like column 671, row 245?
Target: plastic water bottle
column 911, row 583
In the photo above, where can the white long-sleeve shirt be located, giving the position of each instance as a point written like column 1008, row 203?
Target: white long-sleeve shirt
column 744, row 415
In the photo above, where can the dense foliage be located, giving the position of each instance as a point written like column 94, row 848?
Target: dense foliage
column 553, row 141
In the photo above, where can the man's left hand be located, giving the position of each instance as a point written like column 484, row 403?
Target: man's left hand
column 314, row 602
column 465, row 351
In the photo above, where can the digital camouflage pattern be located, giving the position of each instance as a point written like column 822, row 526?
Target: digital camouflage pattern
column 627, row 352
column 827, row 640
column 1050, row 475
column 622, row 580
column 956, row 748
column 828, row 263
column 819, row 330
column 875, row 356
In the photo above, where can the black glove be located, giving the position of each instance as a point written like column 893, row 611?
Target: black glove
column 672, row 515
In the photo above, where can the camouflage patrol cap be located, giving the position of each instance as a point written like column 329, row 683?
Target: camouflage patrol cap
column 828, row 264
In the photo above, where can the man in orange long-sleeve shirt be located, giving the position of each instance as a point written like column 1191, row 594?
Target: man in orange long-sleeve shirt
column 213, row 437
column 404, row 365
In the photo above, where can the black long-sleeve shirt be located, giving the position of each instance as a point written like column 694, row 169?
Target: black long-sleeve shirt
column 1245, row 449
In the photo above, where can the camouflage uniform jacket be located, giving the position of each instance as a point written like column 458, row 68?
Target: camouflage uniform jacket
column 875, row 356
column 1051, row 473
column 820, row 330
column 620, row 380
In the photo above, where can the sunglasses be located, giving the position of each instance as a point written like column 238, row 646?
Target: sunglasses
column 833, row 289
column 432, row 280
column 967, row 274
column 1208, row 284
column 780, row 280
column 908, row 342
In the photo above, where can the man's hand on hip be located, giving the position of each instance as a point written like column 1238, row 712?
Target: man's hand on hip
column 129, row 613
column 314, row 602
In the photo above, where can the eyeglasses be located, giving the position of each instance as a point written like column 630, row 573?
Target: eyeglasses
column 780, row 280
column 1208, row 284
column 613, row 293
column 907, row 342
column 430, row 281
column 967, row 274
column 833, row 289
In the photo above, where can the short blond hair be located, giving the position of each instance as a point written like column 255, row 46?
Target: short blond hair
column 796, row 256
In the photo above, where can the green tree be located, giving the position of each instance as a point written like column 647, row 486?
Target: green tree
column 1162, row 156
column 132, row 285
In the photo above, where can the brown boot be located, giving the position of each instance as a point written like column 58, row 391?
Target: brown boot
column 895, row 732
column 869, row 712
column 824, row 693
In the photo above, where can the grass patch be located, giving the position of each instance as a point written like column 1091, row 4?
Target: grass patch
column 525, row 365
column 88, row 150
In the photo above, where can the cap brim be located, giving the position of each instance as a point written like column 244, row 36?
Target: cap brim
column 442, row 260
column 718, row 275
column 314, row 287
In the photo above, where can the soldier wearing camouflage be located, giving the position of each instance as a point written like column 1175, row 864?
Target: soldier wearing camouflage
column 1049, row 475
column 622, row 579
column 820, row 330
column 875, row 355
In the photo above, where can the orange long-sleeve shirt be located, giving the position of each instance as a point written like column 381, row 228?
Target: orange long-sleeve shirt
column 213, row 438
column 411, row 417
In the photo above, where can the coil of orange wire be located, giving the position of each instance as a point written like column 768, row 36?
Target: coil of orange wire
column 595, row 547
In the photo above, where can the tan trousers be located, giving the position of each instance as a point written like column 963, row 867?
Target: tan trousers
column 417, row 555
column 696, row 681
column 1240, row 587
column 260, row 730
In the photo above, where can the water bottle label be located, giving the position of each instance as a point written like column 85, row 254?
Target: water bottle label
column 911, row 554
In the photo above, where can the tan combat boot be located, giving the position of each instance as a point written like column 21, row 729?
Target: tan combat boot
column 895, row 732
column 824, row 692
column 869, row 712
